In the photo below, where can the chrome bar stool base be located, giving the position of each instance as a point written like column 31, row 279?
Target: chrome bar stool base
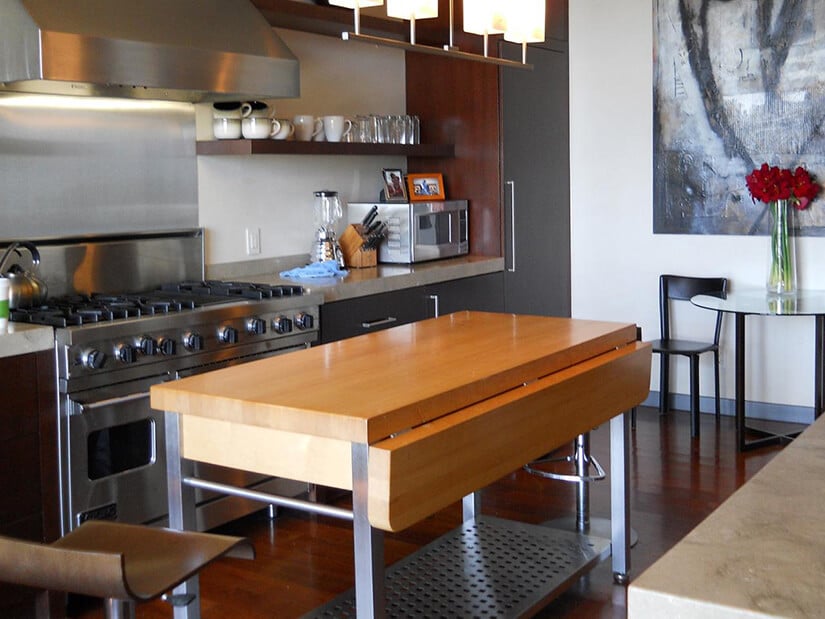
column 581, row 522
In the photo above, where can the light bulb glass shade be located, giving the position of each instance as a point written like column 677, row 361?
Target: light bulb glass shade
column 356, row 4
column 412, row 9
column 524, row 21
column 484, row 17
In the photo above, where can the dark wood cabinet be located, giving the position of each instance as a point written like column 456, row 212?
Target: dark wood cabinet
column 28, row 467
column 484, row 293
column 536, row 164
column 360, row 315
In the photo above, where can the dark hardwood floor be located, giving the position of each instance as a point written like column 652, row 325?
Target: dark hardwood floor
column 304, row 561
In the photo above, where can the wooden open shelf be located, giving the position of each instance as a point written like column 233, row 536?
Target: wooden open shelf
column 282, row 147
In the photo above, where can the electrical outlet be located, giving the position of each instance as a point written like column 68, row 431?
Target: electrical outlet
column 253, row 241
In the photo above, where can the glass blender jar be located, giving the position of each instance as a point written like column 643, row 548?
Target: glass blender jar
column 327, row 214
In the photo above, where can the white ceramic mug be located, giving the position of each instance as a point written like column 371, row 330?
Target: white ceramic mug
column 256, row 127
column 226, row 128
column 304, row 127
column 336, row 127
column 284, row 131
column 255, row 109
column 226, row 109
column 318, row 134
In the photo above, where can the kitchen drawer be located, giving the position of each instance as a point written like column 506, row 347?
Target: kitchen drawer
column 351, row 317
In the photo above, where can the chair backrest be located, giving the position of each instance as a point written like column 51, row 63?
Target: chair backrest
column 683, row 288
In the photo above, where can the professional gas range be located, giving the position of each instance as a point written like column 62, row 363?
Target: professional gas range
column 103, row 338
column 142, row 327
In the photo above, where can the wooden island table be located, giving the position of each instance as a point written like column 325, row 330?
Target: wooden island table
column 412, row 419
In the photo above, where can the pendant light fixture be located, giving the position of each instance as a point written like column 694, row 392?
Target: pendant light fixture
column 412, row 10
column 524, row 23
column 484, row 17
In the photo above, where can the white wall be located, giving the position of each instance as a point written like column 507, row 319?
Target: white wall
column 616, row 259
column 275, row 192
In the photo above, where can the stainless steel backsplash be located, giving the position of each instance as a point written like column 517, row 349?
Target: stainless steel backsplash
column 76, row 166
column 118, row 263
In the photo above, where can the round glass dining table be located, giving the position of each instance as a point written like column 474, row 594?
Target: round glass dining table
column 757, row 302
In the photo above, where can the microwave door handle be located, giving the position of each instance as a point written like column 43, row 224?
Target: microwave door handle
column 512, row 267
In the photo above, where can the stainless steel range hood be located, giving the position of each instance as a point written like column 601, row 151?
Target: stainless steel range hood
column 180, row 50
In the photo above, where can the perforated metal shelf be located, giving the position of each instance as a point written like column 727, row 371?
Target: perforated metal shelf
column 488, row 567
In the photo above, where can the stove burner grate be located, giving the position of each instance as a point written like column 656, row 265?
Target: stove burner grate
column 244, row 290
column 80, row 309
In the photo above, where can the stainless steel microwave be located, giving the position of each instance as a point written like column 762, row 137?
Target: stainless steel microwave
column 418, row 231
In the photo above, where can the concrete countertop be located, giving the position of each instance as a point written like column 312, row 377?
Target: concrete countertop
column 760, row 554
column 21, row 338
column 361, row 282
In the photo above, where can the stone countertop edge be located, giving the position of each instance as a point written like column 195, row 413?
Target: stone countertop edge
column 359, row 282
column 759, row 554
column 21, row 338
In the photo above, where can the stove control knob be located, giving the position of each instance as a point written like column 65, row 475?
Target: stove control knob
column 126, row 353
column 167, row 346
column 148, row 345
column 282, row 324
column 93, row 359
column 304, row 321
column 256, row 326
column 228, row 335
column 193, row 341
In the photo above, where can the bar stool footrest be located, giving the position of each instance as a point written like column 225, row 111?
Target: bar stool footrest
column 531, row 467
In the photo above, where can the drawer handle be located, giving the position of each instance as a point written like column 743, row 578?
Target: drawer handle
column 369, row 324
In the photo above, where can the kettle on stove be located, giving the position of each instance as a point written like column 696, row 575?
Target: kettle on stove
column 25, row 288
column 327, row 214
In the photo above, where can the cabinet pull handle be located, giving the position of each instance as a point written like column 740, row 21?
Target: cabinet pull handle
column 512, row 267
column 369, row 324
column 434, row 299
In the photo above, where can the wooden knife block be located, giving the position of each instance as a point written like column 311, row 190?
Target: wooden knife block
column 351, row 241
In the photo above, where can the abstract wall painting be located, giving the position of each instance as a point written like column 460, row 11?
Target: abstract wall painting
column 736, row 83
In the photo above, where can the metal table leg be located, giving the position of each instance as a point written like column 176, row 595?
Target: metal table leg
column 766, row 438
column 370, row 598
column 471, row 506
column 620, row 497
column 819, row 370
column 185, row 598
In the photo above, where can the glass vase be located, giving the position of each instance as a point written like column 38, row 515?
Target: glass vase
column 782, row 256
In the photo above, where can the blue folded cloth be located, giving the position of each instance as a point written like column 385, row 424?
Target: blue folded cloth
column 329, row 268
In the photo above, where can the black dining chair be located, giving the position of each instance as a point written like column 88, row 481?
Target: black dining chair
column 682, row 288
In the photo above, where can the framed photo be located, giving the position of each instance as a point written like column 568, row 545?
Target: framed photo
column 425, row 187
column 394, row 190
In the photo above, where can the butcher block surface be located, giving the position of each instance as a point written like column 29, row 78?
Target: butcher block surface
column 368, row 388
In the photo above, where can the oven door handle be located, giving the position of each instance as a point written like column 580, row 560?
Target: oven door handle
column 113, row 401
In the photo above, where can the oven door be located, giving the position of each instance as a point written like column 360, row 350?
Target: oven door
column 116, row 456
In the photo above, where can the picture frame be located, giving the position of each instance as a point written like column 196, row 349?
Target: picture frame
column 423, row 187
column 394, row 188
